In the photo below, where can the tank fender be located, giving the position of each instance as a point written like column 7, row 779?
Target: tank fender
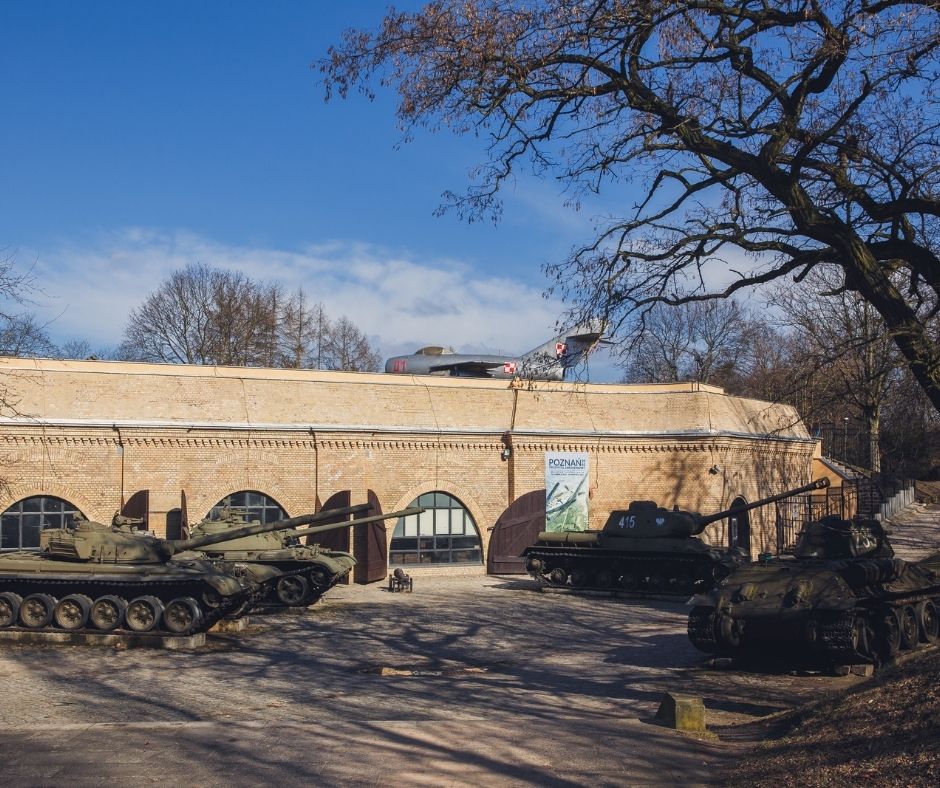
column 224, row 585
column 570, row 537
column 260, row 573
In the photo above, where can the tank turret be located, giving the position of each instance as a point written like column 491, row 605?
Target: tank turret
column 645, row 548
column 833, row 537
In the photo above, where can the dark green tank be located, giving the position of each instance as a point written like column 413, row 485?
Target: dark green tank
column 111, row 578
column 642, row 549
column 843, row 598
column 303, row 573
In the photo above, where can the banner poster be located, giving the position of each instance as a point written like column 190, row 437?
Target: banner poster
column 566, row 491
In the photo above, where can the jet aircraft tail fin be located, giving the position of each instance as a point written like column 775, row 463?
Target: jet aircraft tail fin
column 565, row 350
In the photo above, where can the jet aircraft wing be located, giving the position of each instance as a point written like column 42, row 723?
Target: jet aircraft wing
column 476, row 368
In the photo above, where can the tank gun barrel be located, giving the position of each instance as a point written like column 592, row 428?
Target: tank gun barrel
column 195, row 543
column 706, row 520
column 316, row 529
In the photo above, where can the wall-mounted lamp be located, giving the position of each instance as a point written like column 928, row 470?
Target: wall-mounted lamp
column 715, row 469
column 506, row 452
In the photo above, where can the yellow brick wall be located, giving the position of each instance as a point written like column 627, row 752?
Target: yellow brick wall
column 94, row 433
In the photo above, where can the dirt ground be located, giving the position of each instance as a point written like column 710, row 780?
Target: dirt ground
column 464, row 682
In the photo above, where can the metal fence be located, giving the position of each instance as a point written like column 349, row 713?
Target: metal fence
column 860, row 497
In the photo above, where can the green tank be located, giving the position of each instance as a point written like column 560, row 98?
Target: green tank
column 843, row 598
column 644, row 549
column 301, row 573
column 112, row 578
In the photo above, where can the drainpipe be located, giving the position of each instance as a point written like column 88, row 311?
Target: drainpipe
column 120, row 452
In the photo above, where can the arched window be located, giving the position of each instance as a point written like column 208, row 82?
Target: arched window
column 256, row 505
column 22, row 522
column 444, row 534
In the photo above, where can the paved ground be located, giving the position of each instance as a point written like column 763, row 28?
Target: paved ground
column 493, row 683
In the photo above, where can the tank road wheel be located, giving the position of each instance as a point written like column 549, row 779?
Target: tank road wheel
column 909, row 630
column 629, row 579
column 72, row 612
column 580, row 577
column 863, row 638
column 928, row 621
column 143, row 614
column 36, row 610
column 557, row 577
column 211, row 599
column 655, row 580
column 9, row 608
column 887, row 629
column 534, row 566
column 107, row 612
column 729, row 633
column 292, row 590
column 182, row 616
column 604, row 578
column 319, row 577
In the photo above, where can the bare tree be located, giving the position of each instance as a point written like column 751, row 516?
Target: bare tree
column 23, row 335
column 203, row 315
column 843, row 343
column 303, row 331
column 173, row 325
column 708, row 341
column 347, row 348
column 765, row 138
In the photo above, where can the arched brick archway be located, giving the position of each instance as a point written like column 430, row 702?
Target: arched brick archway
column 444, row 533
column 24, row 520
column 739, row 527
column 83, row 504
column 199, row 507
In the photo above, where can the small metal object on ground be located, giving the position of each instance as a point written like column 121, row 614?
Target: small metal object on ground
column 228, row 625
column 682, row 712
column 170, row 642
column 399, row 581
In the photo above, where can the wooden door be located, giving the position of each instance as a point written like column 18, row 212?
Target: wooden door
column 516, row 529
column 337, row 539
column 371, row 547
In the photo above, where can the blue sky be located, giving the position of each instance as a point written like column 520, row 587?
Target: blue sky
column 138, row 137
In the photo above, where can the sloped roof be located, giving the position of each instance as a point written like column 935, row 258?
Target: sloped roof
column 159, row 395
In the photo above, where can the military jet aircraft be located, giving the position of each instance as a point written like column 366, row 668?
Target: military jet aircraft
column 546, row 362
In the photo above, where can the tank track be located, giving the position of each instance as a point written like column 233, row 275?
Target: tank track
column 269, row 597
column 288, row 568
column 702, row 629
column 699, row 569
column 128, row 590
column 838, row 640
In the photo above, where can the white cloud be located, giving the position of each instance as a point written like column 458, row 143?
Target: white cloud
column 401, row 302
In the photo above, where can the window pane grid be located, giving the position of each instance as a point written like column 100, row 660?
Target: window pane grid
column 444, row 534
column 256, row 506
column 22, row 522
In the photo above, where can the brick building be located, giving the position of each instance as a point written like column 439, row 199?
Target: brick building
column 177, row 441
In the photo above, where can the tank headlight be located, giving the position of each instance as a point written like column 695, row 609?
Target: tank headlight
column 745, row 593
